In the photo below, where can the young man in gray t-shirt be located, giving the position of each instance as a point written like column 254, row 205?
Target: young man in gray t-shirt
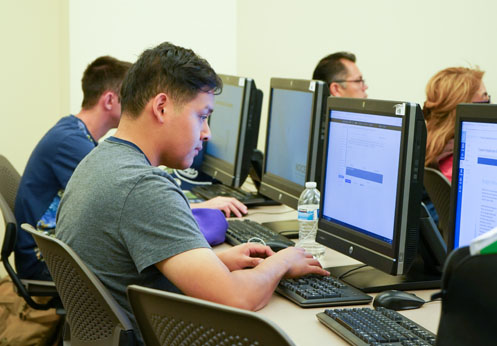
column 129, row 221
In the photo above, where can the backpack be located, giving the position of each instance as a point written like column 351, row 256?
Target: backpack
column 21, row 325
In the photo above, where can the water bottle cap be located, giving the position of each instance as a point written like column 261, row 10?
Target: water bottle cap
column 310, row 185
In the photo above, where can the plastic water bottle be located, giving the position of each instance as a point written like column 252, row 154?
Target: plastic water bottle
column 308, row 211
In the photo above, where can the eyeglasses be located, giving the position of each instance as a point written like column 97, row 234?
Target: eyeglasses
column 360, row 81
column 486, row 101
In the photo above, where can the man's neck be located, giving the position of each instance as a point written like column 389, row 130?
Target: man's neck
column 96, row 122
column 136, row 132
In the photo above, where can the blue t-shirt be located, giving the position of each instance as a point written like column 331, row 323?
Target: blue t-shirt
column 47, row 172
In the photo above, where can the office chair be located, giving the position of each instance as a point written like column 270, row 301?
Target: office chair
column 438, row 188
column 94, row 317
column 468, row 299
column 166, row 318
column 9, row 183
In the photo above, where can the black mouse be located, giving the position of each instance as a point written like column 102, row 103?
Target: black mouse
column 277, row 245
column 398, row 300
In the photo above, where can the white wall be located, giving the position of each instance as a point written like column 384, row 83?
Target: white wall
column 399, row 44
column 125, row 28
column 34, row 73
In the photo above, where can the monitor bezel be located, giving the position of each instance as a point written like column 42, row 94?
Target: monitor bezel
column 391, row 258
column 279, row 188
column 471, row 112
column 227, row 173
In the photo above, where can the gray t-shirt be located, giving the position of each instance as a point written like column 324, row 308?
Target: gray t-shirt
column 121, row 216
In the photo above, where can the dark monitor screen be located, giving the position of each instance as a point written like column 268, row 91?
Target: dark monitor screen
column 225, row 123
column 474, row 174
column 296, row 109
column 289, row 107
column 234, row 126
column 372, row 181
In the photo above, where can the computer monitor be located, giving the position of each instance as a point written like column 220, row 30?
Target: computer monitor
column 234, row 126
column 371, row 191
column 473, row 208
column 294, row 136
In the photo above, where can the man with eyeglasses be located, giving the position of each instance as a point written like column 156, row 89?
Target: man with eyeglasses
column 342, row 75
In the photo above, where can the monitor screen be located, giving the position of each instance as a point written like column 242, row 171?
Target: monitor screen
column 293, row 137
column 474, row 176
column 362, row 172
column 224, row 123
column 234, row 128
column 372, row 183
column 289, row 129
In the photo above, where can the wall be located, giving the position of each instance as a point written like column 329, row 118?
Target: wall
column 34, row 70
column 399, row 44
column 125, row 28
column 34, row 73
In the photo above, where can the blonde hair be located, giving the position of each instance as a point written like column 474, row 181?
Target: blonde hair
column 445, row 90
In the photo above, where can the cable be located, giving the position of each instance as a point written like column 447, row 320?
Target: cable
column 350, row 271
column 190, row 173
column 438, row 299
column 193, row 182
column 256, row 240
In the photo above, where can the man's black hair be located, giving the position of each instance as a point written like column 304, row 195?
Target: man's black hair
column 331, row 68
column 170, row 69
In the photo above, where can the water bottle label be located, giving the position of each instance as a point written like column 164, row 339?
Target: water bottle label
column 308, row 214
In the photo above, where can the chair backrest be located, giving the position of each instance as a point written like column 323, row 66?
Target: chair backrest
column 468, row 299
column 438, row 188
column 9, row 184
column 9, row 181
column 93, row 315
column 166, row 318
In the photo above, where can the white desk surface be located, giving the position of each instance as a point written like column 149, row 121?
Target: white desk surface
column 301, row 324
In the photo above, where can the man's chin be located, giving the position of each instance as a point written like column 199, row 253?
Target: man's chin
column 186, row 164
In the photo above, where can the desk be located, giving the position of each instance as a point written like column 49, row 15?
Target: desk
column 301, row 324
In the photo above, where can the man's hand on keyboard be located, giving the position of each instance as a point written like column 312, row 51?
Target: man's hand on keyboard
column 227, row 205
column 246, row 255
column 301, row 262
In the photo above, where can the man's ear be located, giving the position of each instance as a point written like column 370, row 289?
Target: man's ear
column 335, row 89
column 107, row 100
column 159, row 107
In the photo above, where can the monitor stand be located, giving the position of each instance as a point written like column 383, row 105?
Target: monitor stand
column 425, row 272
column 369, row 279
column 287, row 228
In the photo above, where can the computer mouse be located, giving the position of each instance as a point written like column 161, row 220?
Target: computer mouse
column 277, row 245
column 398, row 300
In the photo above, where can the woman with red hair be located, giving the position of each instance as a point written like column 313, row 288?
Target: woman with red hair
column 445, row 90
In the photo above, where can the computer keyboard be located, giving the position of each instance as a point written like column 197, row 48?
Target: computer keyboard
column 240, row 231
column 247, row 198
column 380, row 326
column 316, row 290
